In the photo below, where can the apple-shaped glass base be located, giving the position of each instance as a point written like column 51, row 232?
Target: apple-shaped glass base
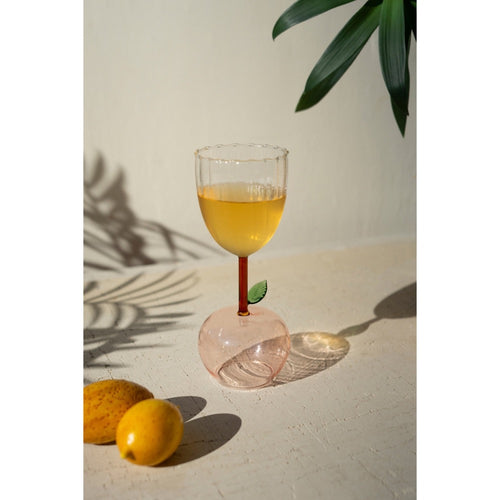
column 244, row 352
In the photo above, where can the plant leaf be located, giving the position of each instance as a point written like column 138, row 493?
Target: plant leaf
column 412, row 16
column 302, row 10
column 392, row 49
column 400, row 116
column 340, row 54
column 311, row 97
column 257, row 292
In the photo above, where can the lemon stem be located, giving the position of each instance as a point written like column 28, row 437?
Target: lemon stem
column 127, row 454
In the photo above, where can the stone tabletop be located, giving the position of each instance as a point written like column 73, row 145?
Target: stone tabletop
column 338, row 422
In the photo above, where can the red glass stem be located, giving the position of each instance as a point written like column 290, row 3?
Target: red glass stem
column 243, row 286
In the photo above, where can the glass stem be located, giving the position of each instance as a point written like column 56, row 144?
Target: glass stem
column 243, row 286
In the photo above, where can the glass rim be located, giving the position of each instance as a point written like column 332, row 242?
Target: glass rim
column 281, row 152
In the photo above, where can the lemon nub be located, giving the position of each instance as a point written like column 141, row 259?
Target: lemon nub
column 127, row 453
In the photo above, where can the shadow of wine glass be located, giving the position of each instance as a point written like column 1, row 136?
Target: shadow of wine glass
column 314, row 352
column 398, row 305
column 311, row 353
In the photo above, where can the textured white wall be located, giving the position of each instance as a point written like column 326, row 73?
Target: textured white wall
column 164, row 77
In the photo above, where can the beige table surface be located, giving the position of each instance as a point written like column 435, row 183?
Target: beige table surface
column 340, row 420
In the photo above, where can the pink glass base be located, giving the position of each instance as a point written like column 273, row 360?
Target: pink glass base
column 244, row 352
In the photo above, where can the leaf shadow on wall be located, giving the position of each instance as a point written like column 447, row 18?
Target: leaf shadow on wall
column 313, row 352
column 117, row 312
column 115, row 237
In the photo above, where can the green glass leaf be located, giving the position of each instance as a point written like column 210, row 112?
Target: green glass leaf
column 340, row 54
column 257, row 292
column 302, row 10
column 392, row 49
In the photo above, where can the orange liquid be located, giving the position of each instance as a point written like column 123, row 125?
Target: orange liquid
column 241, row 217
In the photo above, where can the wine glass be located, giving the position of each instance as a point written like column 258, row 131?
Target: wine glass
column 242, row 191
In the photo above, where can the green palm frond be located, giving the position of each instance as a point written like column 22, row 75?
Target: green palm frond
column 396, row 20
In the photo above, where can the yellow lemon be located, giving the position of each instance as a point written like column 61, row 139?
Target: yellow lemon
column 149, row 432
column 104, row 404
